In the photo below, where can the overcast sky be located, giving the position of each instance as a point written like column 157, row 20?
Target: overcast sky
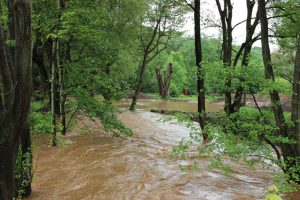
column 209, row 9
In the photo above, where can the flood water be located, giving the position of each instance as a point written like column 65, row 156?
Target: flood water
column 185, row 106
column 95, row 165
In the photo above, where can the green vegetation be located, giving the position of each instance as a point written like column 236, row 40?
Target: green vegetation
column 40, row 122
column 64, row 60
column 23, row 174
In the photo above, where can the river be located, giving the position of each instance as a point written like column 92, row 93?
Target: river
column 94, row 165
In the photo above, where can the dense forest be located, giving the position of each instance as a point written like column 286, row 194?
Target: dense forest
column 64, row 60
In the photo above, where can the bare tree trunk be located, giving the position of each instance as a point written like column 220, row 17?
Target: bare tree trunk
column 38, row 59
column 228, row 57
column 63, row 114
column 140, row 82
column 164, row 83
column 296, row 100
column 200, row 74
column 287, row 151
column 53, row 91
column 16, row 89
column 168, row 81
column 67, row 59
column 159, row 81
column 226, row 20
column 62, row 70
column 277, row 108
column 26, row 149
column 62, row 97
column 7, row 169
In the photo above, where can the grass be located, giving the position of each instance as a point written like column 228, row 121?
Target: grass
column 185, row 98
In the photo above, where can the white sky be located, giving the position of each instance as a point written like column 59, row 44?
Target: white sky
column 209, row 9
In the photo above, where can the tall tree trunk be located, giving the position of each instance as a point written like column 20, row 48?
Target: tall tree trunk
column 226, row 20
column 67, row 59
column 228, row 58
column 26, row 149
column 53, row 91
column 296, row 100
column 159, row 81
column 168, row 79
column 287, row 151
column 16, row 89
column 7, row 169
column 152, row 46
column 200, row 74
column 61, row 69
column 48, row 48
column 164, row 83
column 140, row 82
column 62, row 115
column 38, row 59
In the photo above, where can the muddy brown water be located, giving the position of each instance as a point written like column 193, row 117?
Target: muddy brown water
column 185, row 106
column 95, row 165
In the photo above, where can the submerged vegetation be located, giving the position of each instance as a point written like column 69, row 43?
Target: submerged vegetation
column 64, row 59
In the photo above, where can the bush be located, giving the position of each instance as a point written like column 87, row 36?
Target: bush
column 23, row 174
column 39, row 122
column 174, row 91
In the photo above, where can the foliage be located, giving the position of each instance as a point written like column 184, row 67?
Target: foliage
column 22, row 172
column 105, row 111
column 284, row 68
column 287, row 27
column 175, row 91
column 180, row 54
column 39, row 120
column 273, row 193
column 243, row 136
column 98, row 51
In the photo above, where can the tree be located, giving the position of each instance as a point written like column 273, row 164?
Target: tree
column 290, row 152
column 164, row 81
column 16, row 86
column 77, row 42
column 226, row 24
column 245, row 51
column 200, row 71
column 296, row 106
column 157, row 27
column 288, row 35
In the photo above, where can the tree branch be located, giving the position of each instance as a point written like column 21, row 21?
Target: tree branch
column 190, row 5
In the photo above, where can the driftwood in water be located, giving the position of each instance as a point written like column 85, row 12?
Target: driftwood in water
column 164, row 81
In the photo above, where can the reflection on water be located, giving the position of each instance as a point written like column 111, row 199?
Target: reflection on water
column 96, row 166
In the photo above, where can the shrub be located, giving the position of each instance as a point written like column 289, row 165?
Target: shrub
column 39, row 121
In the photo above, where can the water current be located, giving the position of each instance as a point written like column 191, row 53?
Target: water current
column 94, row 165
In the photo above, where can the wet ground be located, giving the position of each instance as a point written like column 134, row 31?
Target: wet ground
column 95, row 165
